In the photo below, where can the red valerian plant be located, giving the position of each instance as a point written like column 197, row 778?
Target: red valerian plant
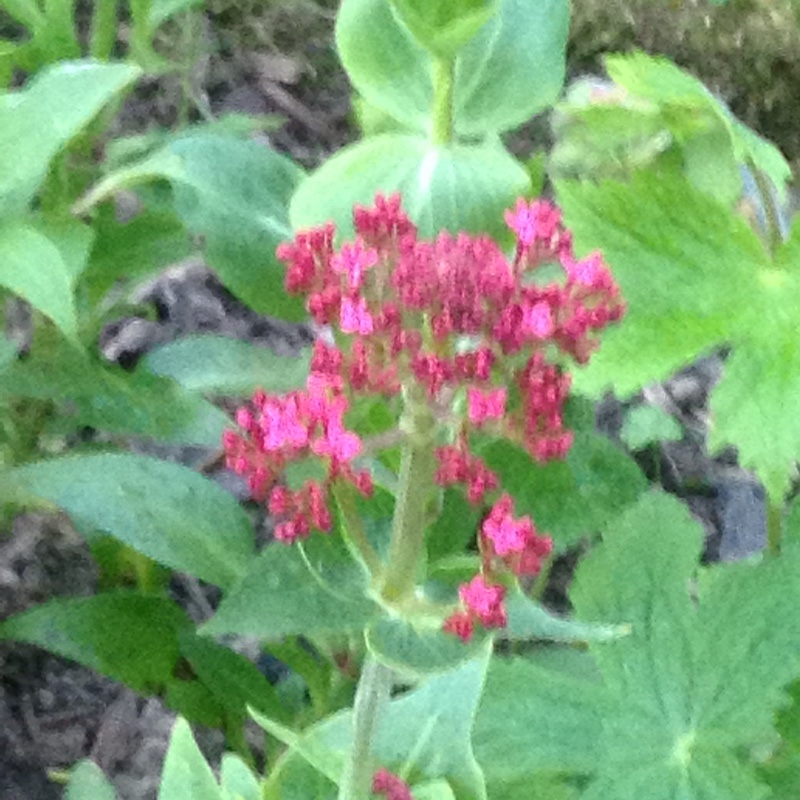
column 470, row 338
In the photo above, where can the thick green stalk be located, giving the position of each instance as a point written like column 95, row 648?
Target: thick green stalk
column 104, row 29
column 372, row 694
column 415, row 485
column 443, row 83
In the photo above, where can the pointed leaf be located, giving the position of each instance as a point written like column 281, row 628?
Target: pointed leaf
column 128, row 636
column 87, row 782
column 186, row 775
column 166, row 511
column 237, row 781
column 222, row 365
column 40, row 120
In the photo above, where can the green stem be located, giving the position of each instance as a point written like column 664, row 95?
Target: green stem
column 774, row 525
column 416, row 481
column 104, row 29
column 443, row 83
column 372, row 694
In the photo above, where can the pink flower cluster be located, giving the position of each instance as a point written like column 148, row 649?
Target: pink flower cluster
column 507, row 544
column 278, row 431
column 460, row 319
column 390, row 786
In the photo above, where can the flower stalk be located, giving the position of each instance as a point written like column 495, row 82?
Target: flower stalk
column 443, row 85
column 372, row 694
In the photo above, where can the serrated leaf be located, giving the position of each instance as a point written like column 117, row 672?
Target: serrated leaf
column 87, row 782
column 494, row 90
column 572, row 498
column 223, row 365
column 40, row 120
column 186, row 775
column 288, row 590
column 122, row 634
column 694, row 685
column 694, row 277
column 431, row 726
column 166, row 511
column 455, row 187
column 235, row 194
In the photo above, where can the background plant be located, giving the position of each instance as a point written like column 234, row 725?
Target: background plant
column 454, row 174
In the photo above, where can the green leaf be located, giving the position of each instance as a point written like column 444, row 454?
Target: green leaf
column 553, row 720
column 696, row 683
column 288, row 590
column 445, row 26
column 222, row 365
column 454, row 527
column 108, row 398
column 659, row 80
column 186, row 774
column 572, row 498
column 166, row 511
column 87, row 782
column 694, row 277
column 162, row 10
column 231, row 678
column 417, row 650
column 38, row 121
column 429, row 726
column 512, row 69
column 529, row 620
column 32, row 266
column 237, row 781
column 646, row 424
column 130, row 637
column 151, row 240
column 453, row 188
column 235, row 195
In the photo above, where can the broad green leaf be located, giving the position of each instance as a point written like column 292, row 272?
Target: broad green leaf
column 151, row 240
column 237, row 781
column 696, row 683
column 32, row 266
column 528, row 620
column 231, row 678
column 128, row 636
column 572, row 498
column 73, row 239
column 27, row 12
column 108, row 398
column 453, row 188
column 222, row 365
column 646, row 424
column 695, row 277
column 512, row 69
column 432, row 790
column 166, row 511
column 38, row 121
column 455, row 526
column 430, row 727
column 87, row 782
column 293, row 778
column 533, row 720
column 417, row 650
column 235, row 195
column 288, row 590
column 186, row 775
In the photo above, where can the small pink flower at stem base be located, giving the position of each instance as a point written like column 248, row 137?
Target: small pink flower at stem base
column 390, row 786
